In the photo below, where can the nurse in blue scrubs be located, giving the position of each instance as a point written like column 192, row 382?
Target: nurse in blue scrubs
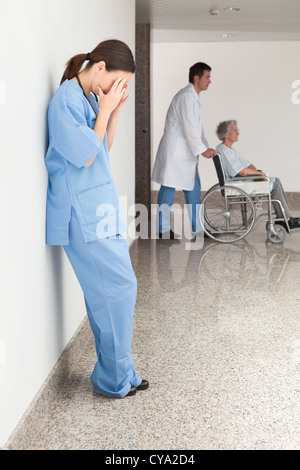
column 83, row 211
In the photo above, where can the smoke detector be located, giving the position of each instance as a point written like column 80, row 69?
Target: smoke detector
column 214, row 11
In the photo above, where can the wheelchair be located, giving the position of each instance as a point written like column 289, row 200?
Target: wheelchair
column 233, row 208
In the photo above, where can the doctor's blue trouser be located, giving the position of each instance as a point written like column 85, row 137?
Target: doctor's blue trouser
column 104, row 271
column 193, row 200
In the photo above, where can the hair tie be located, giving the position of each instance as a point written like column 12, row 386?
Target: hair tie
column 88, row 56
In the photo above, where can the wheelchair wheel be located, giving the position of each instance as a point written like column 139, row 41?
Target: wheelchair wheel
column 227, row 214
column 277, row 235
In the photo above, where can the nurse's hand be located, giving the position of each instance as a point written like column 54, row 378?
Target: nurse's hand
column 122, row 101
column 108, row 102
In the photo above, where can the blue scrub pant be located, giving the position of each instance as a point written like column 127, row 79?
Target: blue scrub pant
column 165, row 202
column 104, row 271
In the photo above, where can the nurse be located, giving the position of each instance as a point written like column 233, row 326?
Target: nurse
column 83, row 211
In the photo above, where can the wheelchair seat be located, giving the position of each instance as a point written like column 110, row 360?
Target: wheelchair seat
column 249, row 183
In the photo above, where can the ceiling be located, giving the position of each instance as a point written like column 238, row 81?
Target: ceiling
column 234, row 20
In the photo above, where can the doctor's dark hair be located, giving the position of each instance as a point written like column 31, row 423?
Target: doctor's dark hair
column 116, row 55
column 198, row 69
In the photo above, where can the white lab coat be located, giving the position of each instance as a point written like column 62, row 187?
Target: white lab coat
column 182, row 142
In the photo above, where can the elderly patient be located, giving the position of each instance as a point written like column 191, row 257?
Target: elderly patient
column 234, row 164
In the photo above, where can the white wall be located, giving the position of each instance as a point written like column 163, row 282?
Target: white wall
column 252, row 83
column 41, row 304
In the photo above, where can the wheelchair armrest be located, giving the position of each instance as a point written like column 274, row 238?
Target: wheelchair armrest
column 249, row 177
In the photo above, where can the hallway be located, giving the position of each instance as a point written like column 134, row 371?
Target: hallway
column 217, row 334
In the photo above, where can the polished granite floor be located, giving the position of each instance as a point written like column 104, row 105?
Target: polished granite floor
column 217, row 334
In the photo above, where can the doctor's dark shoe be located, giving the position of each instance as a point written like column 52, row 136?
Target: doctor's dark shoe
column 168, row 235
column 144, row 385
column 199, row 235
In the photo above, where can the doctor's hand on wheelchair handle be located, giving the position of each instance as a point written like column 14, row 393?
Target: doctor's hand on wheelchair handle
column 209, row 153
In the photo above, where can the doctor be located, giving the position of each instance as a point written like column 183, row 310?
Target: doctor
column 83, row 212
column 181, row 144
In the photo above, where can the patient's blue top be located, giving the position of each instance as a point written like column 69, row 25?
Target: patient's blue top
column 232, row 161
column 89, row 190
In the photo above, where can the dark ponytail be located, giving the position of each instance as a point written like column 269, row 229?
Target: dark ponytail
column 116, row 55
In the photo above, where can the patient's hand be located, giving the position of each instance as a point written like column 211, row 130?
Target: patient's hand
column 257, row 174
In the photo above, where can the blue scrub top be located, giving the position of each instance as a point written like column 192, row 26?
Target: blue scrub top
column 89, row 190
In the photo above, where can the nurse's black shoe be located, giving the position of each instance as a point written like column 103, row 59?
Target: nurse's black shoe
column 144, row 385
column 131, row 392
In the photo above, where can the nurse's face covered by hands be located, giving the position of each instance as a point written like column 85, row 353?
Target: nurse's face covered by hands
column 111, row 87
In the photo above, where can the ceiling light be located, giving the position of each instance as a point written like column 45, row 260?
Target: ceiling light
column 231, row 9
column 226, row 35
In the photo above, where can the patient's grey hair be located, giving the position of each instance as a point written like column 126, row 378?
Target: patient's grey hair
column 223, row 128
